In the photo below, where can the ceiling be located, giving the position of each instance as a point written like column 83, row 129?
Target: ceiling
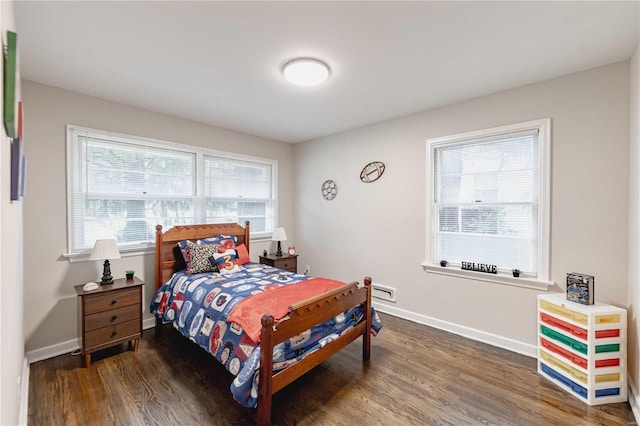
column 219, row 62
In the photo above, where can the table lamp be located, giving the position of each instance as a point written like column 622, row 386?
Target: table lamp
column 279, row 235
column 105, row 250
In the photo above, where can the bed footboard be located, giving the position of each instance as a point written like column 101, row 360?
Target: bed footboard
column 305, row 315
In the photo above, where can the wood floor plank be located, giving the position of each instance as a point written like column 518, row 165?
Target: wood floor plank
column 417, row 375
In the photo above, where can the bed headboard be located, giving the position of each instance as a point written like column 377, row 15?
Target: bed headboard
column 166, row 243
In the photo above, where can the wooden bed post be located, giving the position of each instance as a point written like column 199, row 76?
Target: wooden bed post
column 158, row 269
column 266, row 371
column 247, row 237
column 366, row 337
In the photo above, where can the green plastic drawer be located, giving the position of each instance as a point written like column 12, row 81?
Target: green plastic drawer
column 568, row 341
column 613, row 347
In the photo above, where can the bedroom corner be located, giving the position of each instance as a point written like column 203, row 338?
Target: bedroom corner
column 14, row 370
column 633, row 282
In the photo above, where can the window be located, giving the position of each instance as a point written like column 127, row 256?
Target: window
column 238, row 190
column 488, row 200
column 122, row 186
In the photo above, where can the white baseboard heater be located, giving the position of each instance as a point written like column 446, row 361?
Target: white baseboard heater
column 384, row 292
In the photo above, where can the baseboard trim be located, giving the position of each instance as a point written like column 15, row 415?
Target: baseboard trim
column 53, row 350
column 148, row 323
column 70, row 345
column 461, row 330
column 24, row 393
column 471, row 333
column 634, row 398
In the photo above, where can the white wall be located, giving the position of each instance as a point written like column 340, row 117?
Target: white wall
column 633, row 357
column 50, row 314
column 378, row 228
column 11, row 280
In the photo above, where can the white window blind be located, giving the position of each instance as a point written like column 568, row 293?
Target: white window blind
column 238, row 190
column 121, row 187
column 488, row 203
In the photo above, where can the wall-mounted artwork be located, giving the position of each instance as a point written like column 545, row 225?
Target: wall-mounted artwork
column 329, row 190
column 10, row 62
column 372, row 171
column 23, row 175
column 20, row 121
column 16, row 173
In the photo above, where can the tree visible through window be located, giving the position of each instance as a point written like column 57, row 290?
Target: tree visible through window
column 489, row 203
column 121, row 187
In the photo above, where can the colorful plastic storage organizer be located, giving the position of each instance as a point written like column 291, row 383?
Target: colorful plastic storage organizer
column 582, row 348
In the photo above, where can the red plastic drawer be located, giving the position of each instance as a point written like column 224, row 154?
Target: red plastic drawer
column 579, row 361
column 603, row 334
column 612, row 362
column 562, row 325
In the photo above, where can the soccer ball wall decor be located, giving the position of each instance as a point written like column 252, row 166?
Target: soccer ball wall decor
column 329, row 190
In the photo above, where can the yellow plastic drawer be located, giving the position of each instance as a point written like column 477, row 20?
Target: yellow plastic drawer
column 611, row 377
column 607, row 319
column 567, row 369
column 566, row 313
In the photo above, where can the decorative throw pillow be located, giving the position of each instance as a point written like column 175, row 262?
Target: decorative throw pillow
column 224, row 242
column 214, row 264
column 227, row 262
column 182, row 245
column 243, row 254
column 216, row 241
column 181, row 262
column 198, row 257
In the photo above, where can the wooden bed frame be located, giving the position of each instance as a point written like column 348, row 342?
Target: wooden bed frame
column 304, row 314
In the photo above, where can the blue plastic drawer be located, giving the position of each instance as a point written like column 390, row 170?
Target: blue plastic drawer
column 607, row 392
column 565, row 381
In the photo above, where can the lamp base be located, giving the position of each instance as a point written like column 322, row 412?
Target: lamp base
column 107, row 278
column 279, row 250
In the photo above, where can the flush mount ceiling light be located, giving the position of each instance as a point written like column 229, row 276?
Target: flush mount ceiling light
column 305, row 71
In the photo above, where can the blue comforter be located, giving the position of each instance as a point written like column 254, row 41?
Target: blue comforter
column 198, row 305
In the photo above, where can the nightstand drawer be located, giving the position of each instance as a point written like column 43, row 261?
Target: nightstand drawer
column 111, row 317
column 110, row 301
column 286, row 264
column 112, row 333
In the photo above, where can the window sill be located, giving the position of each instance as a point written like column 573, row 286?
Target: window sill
column 525, row 282
column 261, row 239
column 84, row 257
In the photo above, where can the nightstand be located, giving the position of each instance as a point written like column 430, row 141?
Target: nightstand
column 286, row 262
column 110, row 315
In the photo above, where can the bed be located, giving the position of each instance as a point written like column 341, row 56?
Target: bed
column 271, row 350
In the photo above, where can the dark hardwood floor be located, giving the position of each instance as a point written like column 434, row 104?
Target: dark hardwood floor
column 417, row 375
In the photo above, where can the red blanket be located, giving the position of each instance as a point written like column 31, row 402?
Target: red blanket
column 248, row 313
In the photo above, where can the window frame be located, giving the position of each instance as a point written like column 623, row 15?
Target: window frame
column 199, row 198
column 542, row 280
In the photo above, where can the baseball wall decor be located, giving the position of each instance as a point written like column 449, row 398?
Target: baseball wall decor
column 329, row 190
column 372, row 172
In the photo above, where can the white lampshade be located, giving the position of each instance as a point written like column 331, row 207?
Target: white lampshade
column 279, row 234
column 105, row 249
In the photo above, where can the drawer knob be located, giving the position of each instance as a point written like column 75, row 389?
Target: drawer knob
column 113, row 318
column 114, row 301
column 113, row 333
